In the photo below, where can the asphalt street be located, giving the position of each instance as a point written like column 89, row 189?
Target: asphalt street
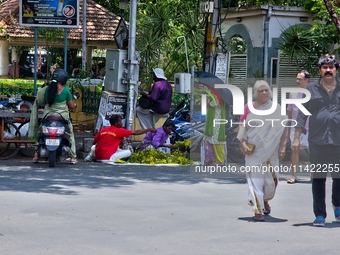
column 94, row 208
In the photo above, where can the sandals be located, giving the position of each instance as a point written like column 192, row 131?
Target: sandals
column 267, row 208
column 292, row 181
column 319, row 221
column 258, row 217
column 336, row 213
column 73, row 161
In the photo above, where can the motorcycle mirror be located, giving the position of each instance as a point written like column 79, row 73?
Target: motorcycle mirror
column 76, row 95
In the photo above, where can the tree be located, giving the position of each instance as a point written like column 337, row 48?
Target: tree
column 332, row 14
column 159, row 23
column 323, row 37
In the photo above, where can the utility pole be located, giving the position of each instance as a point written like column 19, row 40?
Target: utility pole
column 83, row 57
column 133, row 67
column 211, row 40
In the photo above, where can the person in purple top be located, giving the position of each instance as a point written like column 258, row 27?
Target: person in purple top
column 158, row 139
column 160, row 99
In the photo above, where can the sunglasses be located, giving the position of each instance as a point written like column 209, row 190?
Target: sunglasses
column 263, row 90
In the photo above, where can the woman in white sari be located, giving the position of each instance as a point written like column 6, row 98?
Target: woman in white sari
column 269, row 136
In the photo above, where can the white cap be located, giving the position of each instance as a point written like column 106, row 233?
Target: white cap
column 159, row 73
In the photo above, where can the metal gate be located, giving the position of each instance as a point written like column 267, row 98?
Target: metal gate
column 238, row 70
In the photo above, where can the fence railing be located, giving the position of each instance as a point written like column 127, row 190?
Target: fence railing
column 90, row 98
column 90, row 101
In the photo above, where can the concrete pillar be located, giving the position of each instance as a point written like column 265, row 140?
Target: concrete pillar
column 14, row 55
column 4, row 57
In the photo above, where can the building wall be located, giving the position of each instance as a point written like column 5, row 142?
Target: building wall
column 249, row 24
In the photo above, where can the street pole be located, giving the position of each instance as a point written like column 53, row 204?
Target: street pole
column 65, row 48
column 186, row 50
column 133, row 67
column 35, row 59
column 83, row 57
column 210, row 51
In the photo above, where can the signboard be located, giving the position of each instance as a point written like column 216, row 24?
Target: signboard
column 49, row 13
column 111, row 103
column 222, row 67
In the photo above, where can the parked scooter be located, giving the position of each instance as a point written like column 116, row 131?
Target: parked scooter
column 192, row 126
column 188, row 126
column 53, row 138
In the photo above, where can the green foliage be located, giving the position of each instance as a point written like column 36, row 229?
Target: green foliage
column 159, row 24
column 251, row 3
column 305, row 46
column 26, row 84
column 237, row 45
column 51, row 34
column 83, row 75
column 18, row 86
column 153, row 157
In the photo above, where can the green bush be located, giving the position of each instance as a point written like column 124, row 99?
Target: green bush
column 18, row 86
column 25, row 84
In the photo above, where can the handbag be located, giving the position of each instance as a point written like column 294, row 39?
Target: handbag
column 251, row 147
column 144, row 102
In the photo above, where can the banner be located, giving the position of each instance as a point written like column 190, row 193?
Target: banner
column 49, row 13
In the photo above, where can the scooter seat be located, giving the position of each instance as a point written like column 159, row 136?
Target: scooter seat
column 54, row 117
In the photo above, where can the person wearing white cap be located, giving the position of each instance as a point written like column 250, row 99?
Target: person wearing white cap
column 157, row 103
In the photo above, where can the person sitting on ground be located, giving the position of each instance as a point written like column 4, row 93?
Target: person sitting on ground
column 107, row 140
column 159, row 140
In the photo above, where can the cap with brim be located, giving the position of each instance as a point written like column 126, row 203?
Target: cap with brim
column 159, row 73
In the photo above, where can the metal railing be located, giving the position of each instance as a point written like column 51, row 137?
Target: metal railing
column 90, row 98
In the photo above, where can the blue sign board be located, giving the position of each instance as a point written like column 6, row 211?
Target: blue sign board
column 49, row 13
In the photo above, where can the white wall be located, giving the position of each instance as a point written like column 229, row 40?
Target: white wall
column 253, row 19
column 4, row 57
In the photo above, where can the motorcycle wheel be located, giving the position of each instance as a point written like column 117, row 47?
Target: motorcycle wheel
column 233, row 146
column 10, row 149
column 26, row 149
column 52, row 158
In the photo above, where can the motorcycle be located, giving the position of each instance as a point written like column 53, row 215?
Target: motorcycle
column 53, row 138
column 188, row 126
column 192, row 126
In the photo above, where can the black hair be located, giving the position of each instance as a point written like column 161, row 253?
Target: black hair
column 169, row 123
column 306, row 73
column 114, row 119
column 329, row 59
column 52, row 91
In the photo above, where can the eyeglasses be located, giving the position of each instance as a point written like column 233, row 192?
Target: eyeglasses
column 300, row 79
column 263, row 90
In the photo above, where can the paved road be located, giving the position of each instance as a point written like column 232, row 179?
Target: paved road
column 93, row 208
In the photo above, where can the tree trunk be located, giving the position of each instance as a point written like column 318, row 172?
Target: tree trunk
column 333, row 14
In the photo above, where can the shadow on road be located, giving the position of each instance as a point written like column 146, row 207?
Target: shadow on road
column 332, row 224
column 268, row 219
column 28, row 177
